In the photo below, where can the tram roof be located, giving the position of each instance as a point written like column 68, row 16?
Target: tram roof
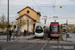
column 55, row 22
column 41, row 24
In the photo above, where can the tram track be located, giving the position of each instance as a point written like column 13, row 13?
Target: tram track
column 48, row 42
column 11, row 47
column 30, row 42
column 37, row 45
column 45, row 44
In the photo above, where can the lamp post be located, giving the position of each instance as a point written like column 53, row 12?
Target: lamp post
column 8, row 23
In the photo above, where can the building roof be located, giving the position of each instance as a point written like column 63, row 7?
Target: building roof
column 31, row 9
column 27, row 16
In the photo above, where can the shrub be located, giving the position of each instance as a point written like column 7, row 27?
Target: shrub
column 73, row 31
column 3, row 33
column 62, row 33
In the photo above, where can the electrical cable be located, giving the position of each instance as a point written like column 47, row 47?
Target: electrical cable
column 39, row 7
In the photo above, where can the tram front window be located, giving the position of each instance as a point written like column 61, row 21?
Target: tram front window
column 54, row 28
column 39, row 29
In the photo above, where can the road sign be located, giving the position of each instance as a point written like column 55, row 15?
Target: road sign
column 44, row 18
column 18, row 30
column 55, row 16
column 14, row 26
column 50, row 17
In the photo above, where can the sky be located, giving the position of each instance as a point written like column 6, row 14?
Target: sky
column 45, row 7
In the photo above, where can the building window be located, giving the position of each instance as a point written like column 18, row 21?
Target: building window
column 28, row 11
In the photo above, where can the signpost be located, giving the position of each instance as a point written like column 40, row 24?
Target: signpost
column 14, row 31
column 18, row 31
column 45, row 27
column 45, row 19
column 66, row 29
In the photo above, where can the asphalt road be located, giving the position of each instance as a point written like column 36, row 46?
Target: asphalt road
column 36, row 44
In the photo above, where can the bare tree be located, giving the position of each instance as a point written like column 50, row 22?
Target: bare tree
column 22, row 22
column 2, row 18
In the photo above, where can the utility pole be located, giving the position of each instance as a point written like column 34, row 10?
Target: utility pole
column 8, row 23
column 66, row 29
column 13, row 33
column 67, row 24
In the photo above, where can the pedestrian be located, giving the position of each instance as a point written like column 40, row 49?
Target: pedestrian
column 12, row 31
column 10, row 34
column 24, row 32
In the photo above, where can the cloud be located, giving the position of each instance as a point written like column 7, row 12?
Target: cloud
column 39, row 2
column 16, row 5
column 62, row 21
column 12, row 15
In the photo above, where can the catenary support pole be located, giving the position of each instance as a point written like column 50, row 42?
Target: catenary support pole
column 8, row 22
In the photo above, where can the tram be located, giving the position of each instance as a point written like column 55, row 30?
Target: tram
column 54, row 29
column 40, row 29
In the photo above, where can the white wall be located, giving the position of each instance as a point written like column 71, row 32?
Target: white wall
column 25, row 26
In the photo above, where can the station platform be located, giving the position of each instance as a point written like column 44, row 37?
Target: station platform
column 3, row 38
column 70, row 38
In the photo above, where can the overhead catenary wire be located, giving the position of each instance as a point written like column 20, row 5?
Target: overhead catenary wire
column 25, row 5
column 53, row 2
column 54, row 6
column 39, row 8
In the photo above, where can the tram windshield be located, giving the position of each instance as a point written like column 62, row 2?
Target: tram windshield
column 54, row 28
column 39, row 29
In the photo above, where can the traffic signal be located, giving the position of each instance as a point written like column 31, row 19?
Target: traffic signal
column 28, row 11
column 60, row 6
column 9, row 26
column 14, row 26
column 61, row 26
